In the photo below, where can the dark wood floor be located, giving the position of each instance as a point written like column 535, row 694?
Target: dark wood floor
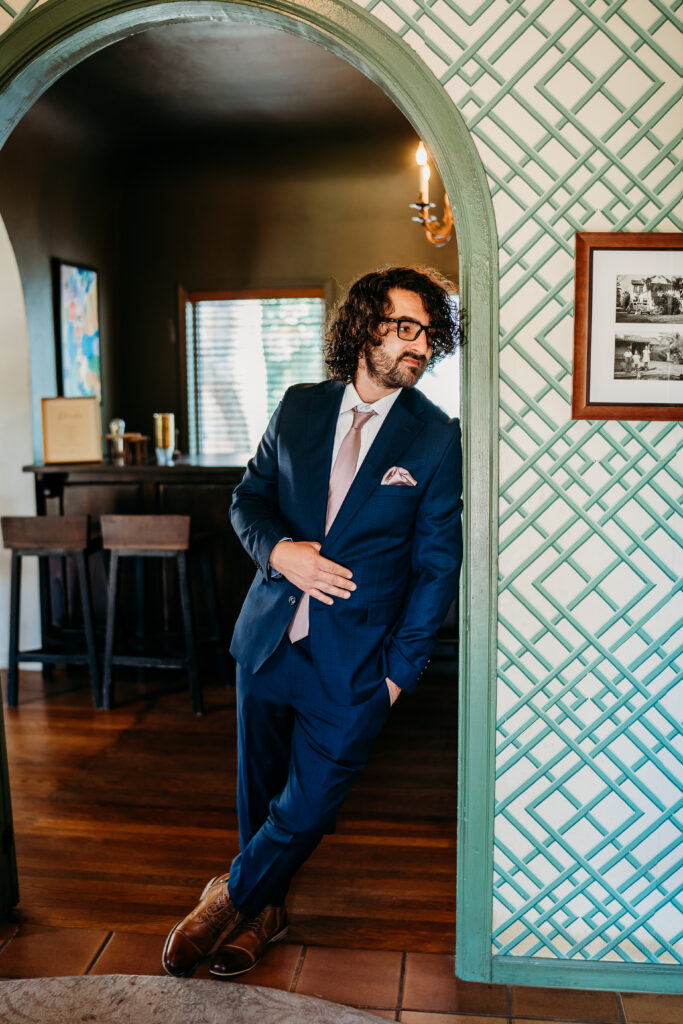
column 120, row 817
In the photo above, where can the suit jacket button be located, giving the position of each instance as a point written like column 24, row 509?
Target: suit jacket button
column 292, row 599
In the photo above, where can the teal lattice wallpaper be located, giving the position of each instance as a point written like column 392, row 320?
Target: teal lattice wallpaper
column 572, row 107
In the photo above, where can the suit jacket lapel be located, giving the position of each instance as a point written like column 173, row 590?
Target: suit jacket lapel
column 399, row 429
column 319, row 441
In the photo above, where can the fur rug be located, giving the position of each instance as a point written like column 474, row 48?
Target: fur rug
column 133, row 999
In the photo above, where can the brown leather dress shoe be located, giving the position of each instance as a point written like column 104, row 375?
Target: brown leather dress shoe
column 246, row 944
column 197, row 936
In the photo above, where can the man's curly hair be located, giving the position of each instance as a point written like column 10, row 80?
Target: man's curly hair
column 356, row 319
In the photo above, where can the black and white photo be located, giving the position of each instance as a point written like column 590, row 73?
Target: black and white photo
column 649, row 299
column 646, row 354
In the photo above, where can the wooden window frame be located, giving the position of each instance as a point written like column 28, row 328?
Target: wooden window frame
column 327, row 292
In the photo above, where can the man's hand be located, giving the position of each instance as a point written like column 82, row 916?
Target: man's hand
column 394, row 690
column 300, row 563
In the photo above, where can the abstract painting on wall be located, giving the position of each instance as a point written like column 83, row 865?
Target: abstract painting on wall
column 78, row 323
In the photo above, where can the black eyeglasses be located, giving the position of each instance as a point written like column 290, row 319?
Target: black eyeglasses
column 409, row 330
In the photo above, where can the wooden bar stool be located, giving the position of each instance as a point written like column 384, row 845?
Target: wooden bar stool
column 149, row 537
column 45, row 536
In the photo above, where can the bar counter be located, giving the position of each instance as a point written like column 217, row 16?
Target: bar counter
column 198, row 486
column 187, row 466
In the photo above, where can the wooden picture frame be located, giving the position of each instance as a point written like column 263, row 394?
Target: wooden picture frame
column 628, row 326
column 72, row 430
column 77, row 330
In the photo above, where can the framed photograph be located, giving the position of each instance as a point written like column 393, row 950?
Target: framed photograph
column 79, row 373
column 72, row 430
column 628, row 326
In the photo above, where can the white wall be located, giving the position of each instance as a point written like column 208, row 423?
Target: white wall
column 16, row 488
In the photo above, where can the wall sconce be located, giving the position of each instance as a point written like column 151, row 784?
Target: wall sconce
column 437, row 234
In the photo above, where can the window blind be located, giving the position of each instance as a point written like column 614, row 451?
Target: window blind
column 242, row 354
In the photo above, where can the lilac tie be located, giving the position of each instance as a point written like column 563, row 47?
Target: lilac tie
column 341, row 478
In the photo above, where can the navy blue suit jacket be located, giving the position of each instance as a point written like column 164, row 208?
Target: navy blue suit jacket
column 403, row 544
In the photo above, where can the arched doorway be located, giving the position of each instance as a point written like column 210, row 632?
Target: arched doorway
column 36, row 52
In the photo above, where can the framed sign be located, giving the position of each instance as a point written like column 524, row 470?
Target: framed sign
column 72, row 430
column 628, row 326
column 79, row 373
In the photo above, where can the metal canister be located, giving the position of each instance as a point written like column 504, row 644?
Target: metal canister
column 164, row 437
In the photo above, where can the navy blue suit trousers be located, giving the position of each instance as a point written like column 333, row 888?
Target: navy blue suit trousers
column 299, row 753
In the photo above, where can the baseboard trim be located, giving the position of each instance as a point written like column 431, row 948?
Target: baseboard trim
column 620, row 977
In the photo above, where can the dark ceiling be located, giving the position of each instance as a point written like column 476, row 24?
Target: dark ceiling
column 202, row 79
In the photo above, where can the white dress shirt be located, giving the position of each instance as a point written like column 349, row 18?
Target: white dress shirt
column 370, row 428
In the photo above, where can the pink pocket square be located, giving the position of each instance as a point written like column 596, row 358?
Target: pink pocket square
column 398, row 476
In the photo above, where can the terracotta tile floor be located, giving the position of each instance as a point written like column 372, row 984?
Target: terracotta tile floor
column 415, row 988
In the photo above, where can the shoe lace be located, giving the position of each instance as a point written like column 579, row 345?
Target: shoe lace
column 254, row 924
column 216, row 913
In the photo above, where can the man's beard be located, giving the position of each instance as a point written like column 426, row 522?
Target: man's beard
column 393, row 373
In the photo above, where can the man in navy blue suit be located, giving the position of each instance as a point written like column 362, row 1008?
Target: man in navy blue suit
column 350, row 510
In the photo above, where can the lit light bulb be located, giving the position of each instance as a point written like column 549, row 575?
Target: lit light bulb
column 422, row 159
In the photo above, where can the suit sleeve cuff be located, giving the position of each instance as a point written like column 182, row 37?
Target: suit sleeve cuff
column 401, row 671
column 272, row 574
column 272, row 535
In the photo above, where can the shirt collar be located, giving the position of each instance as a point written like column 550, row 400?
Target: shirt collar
column 381, row 407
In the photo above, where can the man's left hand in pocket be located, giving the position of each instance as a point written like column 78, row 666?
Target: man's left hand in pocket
column 394, row 690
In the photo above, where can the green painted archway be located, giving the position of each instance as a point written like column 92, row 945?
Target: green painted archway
column 37, row 50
